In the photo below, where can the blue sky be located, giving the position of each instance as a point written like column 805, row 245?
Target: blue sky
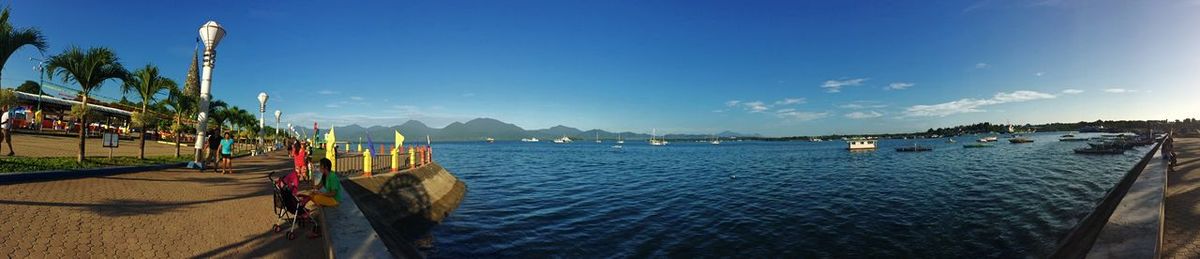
column 778, row 68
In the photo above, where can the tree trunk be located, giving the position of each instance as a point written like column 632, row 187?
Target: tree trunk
column 82, row 131
column 177, row 130
column 142, row 142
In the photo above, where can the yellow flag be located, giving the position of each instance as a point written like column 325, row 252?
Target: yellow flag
column 399, row 139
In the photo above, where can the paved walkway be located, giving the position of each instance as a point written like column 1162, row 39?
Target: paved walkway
column 161, row 214
column 1182, row 230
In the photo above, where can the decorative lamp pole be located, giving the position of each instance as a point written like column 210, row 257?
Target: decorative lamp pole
column 211, row 34
column 277, row 114
column 262, row 116
column 41, row 69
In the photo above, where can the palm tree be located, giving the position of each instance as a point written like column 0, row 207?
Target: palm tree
column 146, row 83
column 182, row 106
column 88, row 69
column 12, row 38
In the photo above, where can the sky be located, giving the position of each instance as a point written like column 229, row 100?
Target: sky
column 778, row 68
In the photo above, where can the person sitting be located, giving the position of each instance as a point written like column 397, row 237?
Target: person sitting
column 328, row 188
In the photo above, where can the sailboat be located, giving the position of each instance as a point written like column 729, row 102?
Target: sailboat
column 654, row 141
column 619, row 140
column 598, row 137
column 715, row 140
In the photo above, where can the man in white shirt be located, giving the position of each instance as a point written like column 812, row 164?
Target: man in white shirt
column 6, row 128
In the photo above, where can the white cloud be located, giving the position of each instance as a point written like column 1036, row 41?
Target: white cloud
column 756, row 106
column 327, row 92
column 333, row 105
column 356, row 98
column 982, row 65
column 834, row 86
column 863, row 115
column 732, row 103
column 787, row 101
column 862, row 105
column 802, row 116
column 898, row 86
column 785, row 110
column 967, row 105
column 1119, row 90
column 1039, row 73
column 1072, row 91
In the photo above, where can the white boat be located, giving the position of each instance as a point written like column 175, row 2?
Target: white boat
column 654, row 141
column 490, row 140
column 598, row 137
column 989, row 139
column 562, row 140
column 619, row 140
column 715, row 140
column 530, row 140
column 860, row 144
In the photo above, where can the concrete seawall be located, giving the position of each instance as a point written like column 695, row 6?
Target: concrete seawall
column 403, row 206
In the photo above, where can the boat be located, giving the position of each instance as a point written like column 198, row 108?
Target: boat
column 977, row 145
column 1100, row 151
column 1018, row 139
column 598, row 137
column 715, row 140
column 654, row 141
column 913, row 148
column 619, row 140
column 989, row 139
column 530, row 140
column 563, row 140
column 860, row 144
column 490, row 140
column 950, row 140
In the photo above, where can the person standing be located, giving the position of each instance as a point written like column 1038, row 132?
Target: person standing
column 1168, row 151
column 227, row 154
column 6, row 128
column 214, row 145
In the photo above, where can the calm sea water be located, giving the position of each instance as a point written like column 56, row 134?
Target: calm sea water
column 770, row 199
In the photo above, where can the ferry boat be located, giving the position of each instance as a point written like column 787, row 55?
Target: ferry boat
column 860, row 144
column 530, row 140
column 562, row 140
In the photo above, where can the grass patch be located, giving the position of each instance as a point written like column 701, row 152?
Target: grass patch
column 33, row 164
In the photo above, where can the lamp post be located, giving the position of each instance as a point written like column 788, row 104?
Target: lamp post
column 41, row 69
column 262, row 116
column 211, row 34
column 277, row 114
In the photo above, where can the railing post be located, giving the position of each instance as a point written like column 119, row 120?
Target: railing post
column 395, row 159
column 428, row 154
column 412, row 157
column 367, row 162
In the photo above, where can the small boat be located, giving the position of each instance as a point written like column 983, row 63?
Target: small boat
column 715, row 140
column 914, row 148
column 1100, row 151
column 598, row 137
column 562, row 140
column 1018, row 139
column 530, row 140
column 860, row 144
column 490, row 140
column 654, row 141
column 978, row 145
column 989, row 139
column 620, row 140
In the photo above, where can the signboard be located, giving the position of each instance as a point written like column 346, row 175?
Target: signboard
column 111, row 140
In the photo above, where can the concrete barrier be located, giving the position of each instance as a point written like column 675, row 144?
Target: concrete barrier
column 403, row 206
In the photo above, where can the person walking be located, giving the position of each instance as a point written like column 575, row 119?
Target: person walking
column 1168, row 151
column 227, row 154
column 214, row 144
column 6, row 128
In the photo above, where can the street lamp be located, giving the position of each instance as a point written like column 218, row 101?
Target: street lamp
column 277, row 114
column 211, row 34
column 41, row 69
column 262, row 116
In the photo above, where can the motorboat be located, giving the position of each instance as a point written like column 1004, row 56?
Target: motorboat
column 530, row 140
column 562, row 140
column 860, row 144
column 989, row 139
column 490, row 140
column 1018, row 139
column 977, row 145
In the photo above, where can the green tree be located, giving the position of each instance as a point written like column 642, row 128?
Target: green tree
column 147, row 84
column 13, row 38
column 181, row 106
column 30, row 87
column 89, row 69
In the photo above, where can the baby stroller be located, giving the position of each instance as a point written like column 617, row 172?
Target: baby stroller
column 289, row 207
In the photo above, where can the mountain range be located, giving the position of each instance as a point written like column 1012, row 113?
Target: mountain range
column 482, row 128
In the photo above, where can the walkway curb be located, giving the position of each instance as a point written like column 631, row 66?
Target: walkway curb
column 12, row 178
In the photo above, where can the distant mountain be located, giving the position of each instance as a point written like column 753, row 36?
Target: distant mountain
column 481, row 128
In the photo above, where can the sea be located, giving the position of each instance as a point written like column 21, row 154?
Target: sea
column 756, row 199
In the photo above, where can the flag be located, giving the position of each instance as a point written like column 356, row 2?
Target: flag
column 399, row 139
column 371, row 145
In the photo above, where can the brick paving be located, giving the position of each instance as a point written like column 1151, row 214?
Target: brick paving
column 1182, row 229
column 171, row 213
